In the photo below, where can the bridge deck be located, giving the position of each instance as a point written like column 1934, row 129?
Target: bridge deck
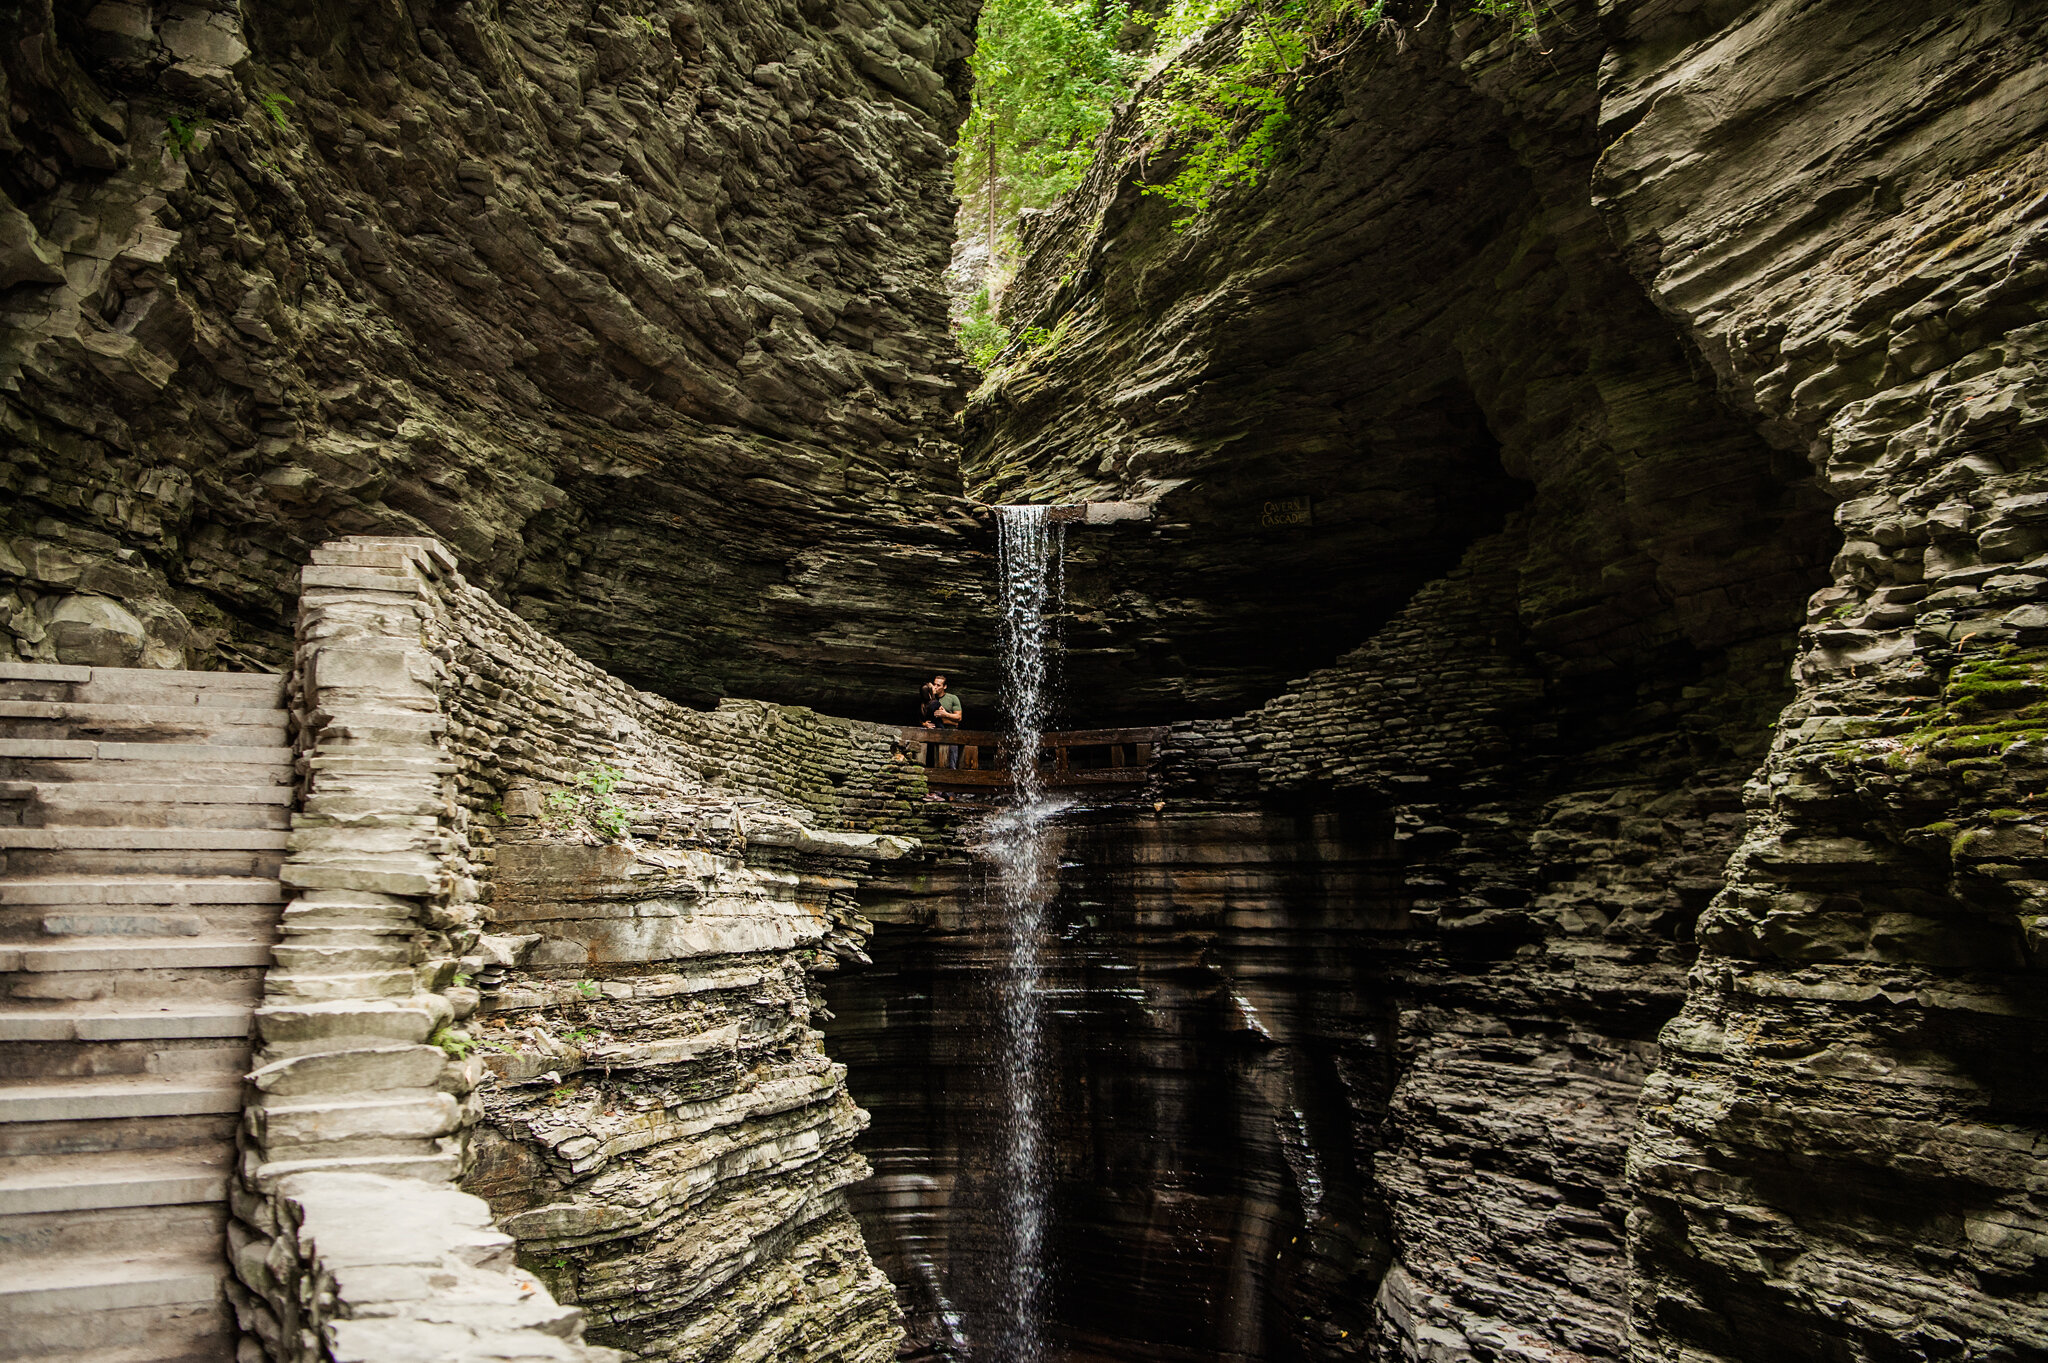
column 1067, row 759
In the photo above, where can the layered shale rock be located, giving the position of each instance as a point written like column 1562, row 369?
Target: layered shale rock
column 636, row 306
column 602, row 913
column 1567, row 352
column 1839, row 1153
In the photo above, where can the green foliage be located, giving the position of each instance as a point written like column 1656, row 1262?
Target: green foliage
column 981, row 336
column 592, row 801
column 182, row 133
column 1225, row 116
column 1986, row 704
column 1047, row 73
column 602, row 777
column 458, row 1044
column 1527, row 16
column 588, row 988
column 275, row 104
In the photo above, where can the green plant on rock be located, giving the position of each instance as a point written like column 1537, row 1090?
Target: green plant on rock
column 1526, row 16
column 981, row 336
column 593, row 802
column 181, row 133
column 1224, row 114
column 602, row 777
column 274, row 104
column 1986, row 704
column 458, row 1044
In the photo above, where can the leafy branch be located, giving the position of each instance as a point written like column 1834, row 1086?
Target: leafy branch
column 592, row 801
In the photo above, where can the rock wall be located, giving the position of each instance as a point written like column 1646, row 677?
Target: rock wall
column 663, row 1132
column 1683, row 1059
column 1831, row 1158
column 637, row 306
column 556, row 938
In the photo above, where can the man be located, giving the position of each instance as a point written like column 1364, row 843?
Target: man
column 949, row 715
column 940, row 708
column 927, row 712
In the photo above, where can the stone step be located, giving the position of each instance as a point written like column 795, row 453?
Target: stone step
column 196, row 1226
column 41, row 924
column 289, row 1027
column 96, row 1021
column 34, row 863
column 141, row 889
column 201, row 1057
column 78, row 713
column 78, row 1183
column 145, row 839
column 19, row 1140
column 127, row 1096
column 282, row 987
column 77, row 1284
column 134, row 953
column 188, row 1332
column 139, row 686
column 216, row 1347
column 215, row 725
column 120, row 988
column 100, row 793
column 155, row 769
column 109, row 750
column 432, row 1168
column 381, row 1125
column 326, row 956
column 82, row 811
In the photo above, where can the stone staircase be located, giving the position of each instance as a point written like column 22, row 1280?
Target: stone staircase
column 143, row 817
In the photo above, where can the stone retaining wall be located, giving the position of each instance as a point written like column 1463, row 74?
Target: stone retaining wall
column 509, row 870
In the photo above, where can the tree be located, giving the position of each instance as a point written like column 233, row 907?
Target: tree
column 1046, row 75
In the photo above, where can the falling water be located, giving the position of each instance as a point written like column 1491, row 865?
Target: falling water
column 1028, row 559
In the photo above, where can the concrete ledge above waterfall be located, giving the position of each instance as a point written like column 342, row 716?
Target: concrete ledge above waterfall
column 1099, row 513
column 1088, row 513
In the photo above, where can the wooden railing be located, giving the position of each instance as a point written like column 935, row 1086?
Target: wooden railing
column 1068, row 758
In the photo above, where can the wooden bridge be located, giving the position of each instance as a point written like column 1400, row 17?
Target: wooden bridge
column 1066, row 759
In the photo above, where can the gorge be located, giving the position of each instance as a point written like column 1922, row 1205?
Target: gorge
column 1582, row 521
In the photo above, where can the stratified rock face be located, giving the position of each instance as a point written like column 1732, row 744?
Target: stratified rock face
column 1840, row 1156
column 1697, row 273
column 636, row 307
column 657, row 1124
column 1219, row 1052
column 1332, row 387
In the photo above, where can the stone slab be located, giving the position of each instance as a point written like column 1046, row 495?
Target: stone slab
column 150, row 839
column 68, row 1100
column 44, row 672
column 141, row 890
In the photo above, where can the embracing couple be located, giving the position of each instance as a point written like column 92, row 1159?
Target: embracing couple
column 939, row 708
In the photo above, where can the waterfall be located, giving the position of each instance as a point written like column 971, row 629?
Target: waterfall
column 1021, row 884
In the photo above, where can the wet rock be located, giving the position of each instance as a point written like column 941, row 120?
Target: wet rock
column 1712, row 1022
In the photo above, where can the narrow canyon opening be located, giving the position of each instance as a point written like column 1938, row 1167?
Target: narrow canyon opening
column 1496, row 557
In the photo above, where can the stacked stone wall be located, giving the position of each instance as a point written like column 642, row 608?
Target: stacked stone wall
column 553, row 938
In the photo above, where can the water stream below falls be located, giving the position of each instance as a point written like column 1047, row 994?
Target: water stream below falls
column 1020, row 886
